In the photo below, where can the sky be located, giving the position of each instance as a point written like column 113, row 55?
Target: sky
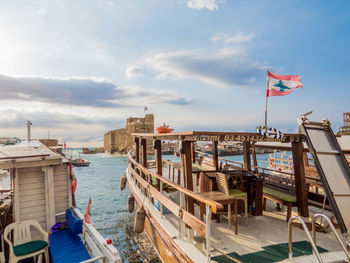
column 78, row 69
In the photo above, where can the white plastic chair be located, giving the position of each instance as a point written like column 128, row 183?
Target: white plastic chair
column 23, row 246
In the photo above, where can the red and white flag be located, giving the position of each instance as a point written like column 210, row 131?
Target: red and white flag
column 87, row 216
column 280, row 85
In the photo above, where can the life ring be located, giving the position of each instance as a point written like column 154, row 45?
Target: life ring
column 261, row 130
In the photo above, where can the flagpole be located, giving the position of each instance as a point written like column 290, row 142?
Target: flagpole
column 267, row 86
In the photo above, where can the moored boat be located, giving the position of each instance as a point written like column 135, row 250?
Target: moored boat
column 181, row 199
column 164, row 129
column 40, row 200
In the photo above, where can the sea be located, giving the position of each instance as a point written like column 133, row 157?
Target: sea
column 100, row 182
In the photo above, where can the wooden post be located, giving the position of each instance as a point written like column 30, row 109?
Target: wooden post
column 158, row 157
column 137, row 150
column 215, row 155
column 50, row 197
column 187, row 160
column 246, row 156
column 16, row 196
column 300, row 183
column 193, row 152
column 144, row 156
column 255, row 161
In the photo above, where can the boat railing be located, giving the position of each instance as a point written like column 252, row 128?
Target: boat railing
column 290, row 238
column 142, row 178
column 96, row 244
column 333, row 230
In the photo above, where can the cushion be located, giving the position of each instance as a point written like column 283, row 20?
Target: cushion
column 283, row 196
column 29, row 247
column 236, row 192
column 155, row 183
column 67, row 247
column 74, row 223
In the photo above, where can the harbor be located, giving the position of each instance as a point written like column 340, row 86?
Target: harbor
column 191, row 131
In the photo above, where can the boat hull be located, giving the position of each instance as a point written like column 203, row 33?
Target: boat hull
column 168, row 250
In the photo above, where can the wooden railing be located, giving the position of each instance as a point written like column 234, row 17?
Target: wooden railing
column 143, row 183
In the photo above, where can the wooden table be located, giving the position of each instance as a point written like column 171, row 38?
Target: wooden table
column 223, row 199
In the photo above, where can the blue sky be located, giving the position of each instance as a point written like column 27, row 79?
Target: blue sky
column 80, row 68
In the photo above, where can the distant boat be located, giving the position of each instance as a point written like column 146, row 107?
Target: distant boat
column 79, row 162
column 164, row 129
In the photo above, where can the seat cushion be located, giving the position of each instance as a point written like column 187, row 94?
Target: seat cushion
column 155, row 183
column 74, row 223
column 67, row 247
column 283, row 196
column 236, row 193
column 29, row 247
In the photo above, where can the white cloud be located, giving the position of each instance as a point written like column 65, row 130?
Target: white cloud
column 134, row 72
column 201, row 4
column 141, row 96
column 225, row 68
column 239, row 37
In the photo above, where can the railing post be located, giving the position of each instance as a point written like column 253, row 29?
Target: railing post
column 181, row 223
column 208, row 212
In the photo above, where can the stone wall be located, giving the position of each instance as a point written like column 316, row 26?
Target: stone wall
column 121, row 141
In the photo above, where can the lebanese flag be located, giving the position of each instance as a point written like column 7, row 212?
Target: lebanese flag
column 280, row 85
column 87, row 216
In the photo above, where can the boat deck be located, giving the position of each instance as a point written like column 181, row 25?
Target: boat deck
column 253, row 236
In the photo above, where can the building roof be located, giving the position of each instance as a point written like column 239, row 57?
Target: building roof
column 27, row 154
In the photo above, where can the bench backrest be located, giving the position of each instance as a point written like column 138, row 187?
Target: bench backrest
column 280, row 183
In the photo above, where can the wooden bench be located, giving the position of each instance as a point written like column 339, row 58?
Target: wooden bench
column 280, row 190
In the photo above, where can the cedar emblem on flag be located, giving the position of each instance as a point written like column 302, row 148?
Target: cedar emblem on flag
column 87, row 216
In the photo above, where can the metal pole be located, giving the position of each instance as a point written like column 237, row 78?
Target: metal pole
column 267, row 86
column 208, row 213
column 28, row 131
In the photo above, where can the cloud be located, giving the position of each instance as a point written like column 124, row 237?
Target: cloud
column 90, row 92
column 239, row 37
column 140, row 96
column 134, row 72
column 225, row 68
column 201, row 4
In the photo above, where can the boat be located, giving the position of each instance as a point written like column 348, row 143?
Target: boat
column 40, row 195
column 79, row 162
column 182, row 204
column 164, row 129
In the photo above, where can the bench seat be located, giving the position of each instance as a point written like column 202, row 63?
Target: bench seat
column 280, row 198
column 67, row 247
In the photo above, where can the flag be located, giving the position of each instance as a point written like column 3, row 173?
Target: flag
column 280, row 85
column 73, row 178
column 145, row 108
column 87, row 216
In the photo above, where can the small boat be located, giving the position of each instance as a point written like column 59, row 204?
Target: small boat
column 164, row 129
column 79, row 162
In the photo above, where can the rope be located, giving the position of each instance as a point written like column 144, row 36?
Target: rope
column 277, row 133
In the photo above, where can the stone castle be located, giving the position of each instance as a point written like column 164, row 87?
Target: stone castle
column 121, row 141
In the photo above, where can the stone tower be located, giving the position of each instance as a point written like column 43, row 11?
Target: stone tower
column 121, row 140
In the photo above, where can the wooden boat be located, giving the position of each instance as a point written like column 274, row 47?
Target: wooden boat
column 181, row 199
column 164, row 129
column 41, row 189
